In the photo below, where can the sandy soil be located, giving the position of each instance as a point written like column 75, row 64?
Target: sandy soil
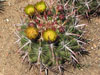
column 10, row 61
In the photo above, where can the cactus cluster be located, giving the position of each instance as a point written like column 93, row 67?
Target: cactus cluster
column 52, row 35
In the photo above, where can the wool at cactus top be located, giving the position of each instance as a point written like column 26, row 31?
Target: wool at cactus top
column 52, row 35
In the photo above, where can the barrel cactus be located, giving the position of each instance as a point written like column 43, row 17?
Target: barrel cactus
column 54, row 34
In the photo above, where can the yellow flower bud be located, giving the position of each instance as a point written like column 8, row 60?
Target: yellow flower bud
column 40, row 6
column 31, row 32
column 49, row 35
column 29, row 10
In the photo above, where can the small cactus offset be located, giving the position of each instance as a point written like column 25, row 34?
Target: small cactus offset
column 51, row 35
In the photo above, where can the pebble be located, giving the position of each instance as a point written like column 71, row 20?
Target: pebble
column 81, row 69
column 91, row 19
column 9, row 4
column 94, row 45
column 6, row 20
column 96, row 23
column 92, row 48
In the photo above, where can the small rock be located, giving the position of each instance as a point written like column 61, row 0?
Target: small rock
column 96, row 23
column 92, row 48
column 81, row 69
column 7, row 20
column 94, row 45
column 9, row 4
